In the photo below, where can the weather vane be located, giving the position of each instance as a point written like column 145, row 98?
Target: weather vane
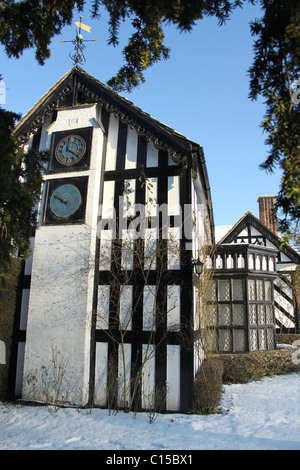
column 77, row 55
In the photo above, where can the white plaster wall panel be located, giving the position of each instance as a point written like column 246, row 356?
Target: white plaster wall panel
column 102, row 319
column 151, row 197
column 112, row 143
column 124, row 376
column 128, row 237
column 59, row 307
column 198, row 220
column 106, row 237
column 270, row 245
column 128, row 207
column 243, row 233
column 174, row 207
column 73, row 118
column 201, row 199
column 93, row 191
column 131, row 149
column 284, row 287
column 44, row 142
column 283, row 319
column 24, row 308
column 108, row 200
column 152, row 155
column 173, row 307
column 150, row 247
column 284, row 303
column 254, row 232
column 148, row 376
column 101, row 374
column 20, row 364
column 173, row 377
column 173, row 255
column 149, row 307
column 284, row 258
column 126, row 307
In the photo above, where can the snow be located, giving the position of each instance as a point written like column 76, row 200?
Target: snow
column 260, row 415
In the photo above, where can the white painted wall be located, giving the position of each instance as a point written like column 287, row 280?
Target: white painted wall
column 148, row 376
column 61, row 294
column 173, row 377
column 101, row 374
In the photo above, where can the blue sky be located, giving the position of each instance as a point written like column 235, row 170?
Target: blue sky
column 201, row 92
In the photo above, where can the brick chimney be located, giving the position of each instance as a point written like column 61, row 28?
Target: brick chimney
column 266, row 205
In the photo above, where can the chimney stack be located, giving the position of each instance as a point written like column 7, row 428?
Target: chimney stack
column 267, row 215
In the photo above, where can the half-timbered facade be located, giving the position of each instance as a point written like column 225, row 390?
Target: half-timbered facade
column 108, row 292
column 265, row 245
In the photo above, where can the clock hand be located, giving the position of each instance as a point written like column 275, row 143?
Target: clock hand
column 72, row 151
column 70, row 141
column 58, row 196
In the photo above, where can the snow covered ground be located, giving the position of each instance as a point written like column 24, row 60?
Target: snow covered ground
column 254, row 416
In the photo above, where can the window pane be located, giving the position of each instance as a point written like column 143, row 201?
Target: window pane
column 268, row 290
column 211, row 315
column 270, row 338
column 251, row 289
column 262, row 339
column 239, row 342
column 225, row 341
column 238, row 316
column 237, row 289
column 210, row 291
column 253, row 340
column 261, row 314
column 269, row 314
column 224, row 314
column 252, row 314
column 260, row 290
column 224, row 289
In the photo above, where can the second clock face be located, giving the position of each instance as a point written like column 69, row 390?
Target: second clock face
column 65, row 200
column 70, row 150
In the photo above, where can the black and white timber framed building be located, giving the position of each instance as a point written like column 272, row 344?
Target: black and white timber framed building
column 68, row 307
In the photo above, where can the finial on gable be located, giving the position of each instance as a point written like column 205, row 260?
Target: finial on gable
column 77, row 55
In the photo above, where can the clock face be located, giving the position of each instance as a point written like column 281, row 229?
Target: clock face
column 65, row 200
column 70, row 150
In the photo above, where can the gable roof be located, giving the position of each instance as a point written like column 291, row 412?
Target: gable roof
column 78, row 81
column 249, row 219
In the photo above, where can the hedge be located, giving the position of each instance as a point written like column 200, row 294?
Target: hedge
column 237, row 368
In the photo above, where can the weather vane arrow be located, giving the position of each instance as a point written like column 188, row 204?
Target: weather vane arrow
column 77, row 55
